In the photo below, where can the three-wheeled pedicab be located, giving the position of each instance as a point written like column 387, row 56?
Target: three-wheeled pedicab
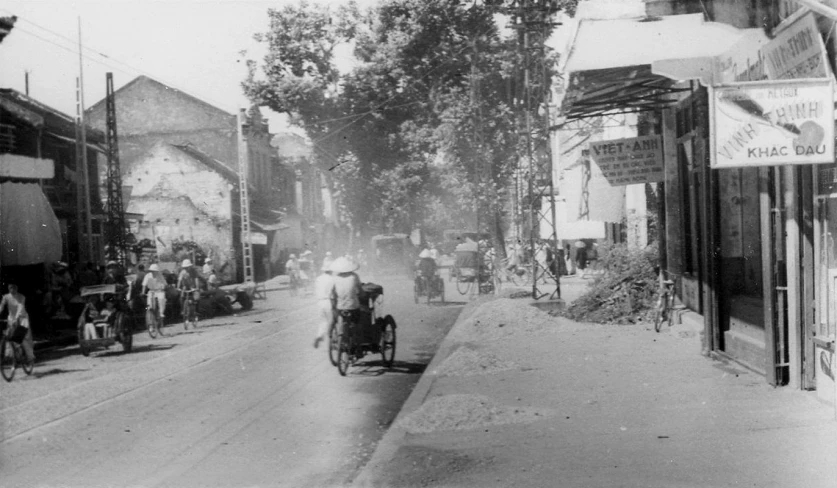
column 427, row 282
column 102, row 328
column 466, row 270
column 361, row 332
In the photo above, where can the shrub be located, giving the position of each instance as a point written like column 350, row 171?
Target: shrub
column 626, row 290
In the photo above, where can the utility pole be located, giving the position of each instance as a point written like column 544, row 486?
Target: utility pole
column 533, row 18
column 117, row 245
column 81, row 154
column 244, row 194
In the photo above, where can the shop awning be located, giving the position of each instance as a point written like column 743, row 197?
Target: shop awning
column 609, row 64
column 29, row 230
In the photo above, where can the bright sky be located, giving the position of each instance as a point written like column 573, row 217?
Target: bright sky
column 192, row 45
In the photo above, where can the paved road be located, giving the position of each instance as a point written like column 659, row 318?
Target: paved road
column 242, row 401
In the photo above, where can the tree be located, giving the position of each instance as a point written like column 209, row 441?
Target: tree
column 409, row 138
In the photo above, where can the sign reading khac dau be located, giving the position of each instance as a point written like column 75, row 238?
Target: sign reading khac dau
column 629, row 161
column 773, row 123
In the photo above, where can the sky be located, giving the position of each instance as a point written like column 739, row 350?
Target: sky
column 192, row 45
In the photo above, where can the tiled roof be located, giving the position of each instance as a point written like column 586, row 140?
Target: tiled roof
column 53, row 120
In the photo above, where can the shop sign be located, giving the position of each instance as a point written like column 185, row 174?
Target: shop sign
column 629, row 161
column 256, row 239
column 772, row 123
column 796, row 52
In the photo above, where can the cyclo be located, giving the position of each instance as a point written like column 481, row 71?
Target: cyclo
column 105, row 329
column 427, row 282
column 361, row 332
column 466, row 269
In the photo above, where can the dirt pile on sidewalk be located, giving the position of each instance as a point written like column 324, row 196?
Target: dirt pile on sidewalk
column 468, row 362
column 495, row 319
column 465, row 412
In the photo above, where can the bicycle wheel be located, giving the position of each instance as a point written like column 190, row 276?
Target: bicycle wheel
column 416, row 291
column 463, row 287
column 343, row 359
column 387, row 344
column 28, row 365
column 661, row 314
column 8, row 362
column 151, row 323
column 333, row 346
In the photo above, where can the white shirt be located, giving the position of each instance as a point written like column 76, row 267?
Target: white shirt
column 154, row 284
column 324, row 287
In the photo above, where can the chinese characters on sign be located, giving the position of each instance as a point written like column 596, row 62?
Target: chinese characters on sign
column 772, row 123
column 629, row 161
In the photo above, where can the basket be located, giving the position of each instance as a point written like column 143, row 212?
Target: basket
column 18, row 334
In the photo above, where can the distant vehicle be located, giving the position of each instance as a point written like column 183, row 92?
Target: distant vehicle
column 393, row 253
column 454, row 237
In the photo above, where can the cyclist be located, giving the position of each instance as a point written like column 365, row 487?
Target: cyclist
column 427, row 269
column 154, row 285
column 346, row 289
column 292, row 268
column 186, row 281
column 16, row 303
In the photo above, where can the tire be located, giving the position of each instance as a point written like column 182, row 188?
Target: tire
column 244, row 300
column 416, row 291
column 660, row 316
column 343, row 359
column 428, row 289
column 333, row 346
column 28, row 366
column 8, row 361
column 463, row 287
column 187, row 312
column 151, row 323
column 388, row 341
column 85, row 351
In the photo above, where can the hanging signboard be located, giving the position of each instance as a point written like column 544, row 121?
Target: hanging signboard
column 629, row 161
column 772, row 123
column 796, row 52
column 256, row 239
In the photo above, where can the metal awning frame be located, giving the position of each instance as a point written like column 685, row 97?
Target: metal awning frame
column 626, row 89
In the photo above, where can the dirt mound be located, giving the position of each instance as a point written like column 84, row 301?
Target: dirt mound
column 465, row 412
column 498, row 318
column 467, row 362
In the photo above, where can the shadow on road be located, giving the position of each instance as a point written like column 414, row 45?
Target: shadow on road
column 139, row 349
column 377, row 368
column 53, row 371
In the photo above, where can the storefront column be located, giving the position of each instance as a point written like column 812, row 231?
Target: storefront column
column 792, row 268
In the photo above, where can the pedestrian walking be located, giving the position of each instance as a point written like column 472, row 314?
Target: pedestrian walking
column 325, row 296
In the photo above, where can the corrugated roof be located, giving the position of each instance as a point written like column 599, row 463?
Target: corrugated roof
column 200, row 156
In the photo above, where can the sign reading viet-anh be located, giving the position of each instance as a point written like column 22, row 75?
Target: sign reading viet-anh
column 773, row 122
column 629, row 161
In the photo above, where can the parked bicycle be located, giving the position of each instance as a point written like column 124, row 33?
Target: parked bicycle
column 665, row 302
column 12, row 354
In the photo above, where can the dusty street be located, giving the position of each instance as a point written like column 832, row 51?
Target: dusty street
column 243, row 400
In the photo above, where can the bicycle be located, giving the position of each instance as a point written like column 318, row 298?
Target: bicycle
column 190, row 305
column 665, row 302
column 11, row 353
column 153, row 320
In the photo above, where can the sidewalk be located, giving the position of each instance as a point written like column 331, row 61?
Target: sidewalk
column 515, row 397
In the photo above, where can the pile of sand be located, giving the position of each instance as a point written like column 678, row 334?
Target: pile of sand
column 495, row 319
column 467, row 362
column 465, row 412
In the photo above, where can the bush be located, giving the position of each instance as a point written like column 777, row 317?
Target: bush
column 625, row 292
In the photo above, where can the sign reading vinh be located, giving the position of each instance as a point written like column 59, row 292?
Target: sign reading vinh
column 629, row 161
column 773, row 123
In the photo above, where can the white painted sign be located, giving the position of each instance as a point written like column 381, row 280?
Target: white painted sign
column 772, row 123
column 256, row 239
column 796, row 52
column 24, row 167
column 629, row 161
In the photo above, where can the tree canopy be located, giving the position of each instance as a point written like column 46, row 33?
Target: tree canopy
column 426, row 120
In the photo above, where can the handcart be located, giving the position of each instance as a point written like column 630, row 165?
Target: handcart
column 117, row 327
column 466, row 269
column 361, row 331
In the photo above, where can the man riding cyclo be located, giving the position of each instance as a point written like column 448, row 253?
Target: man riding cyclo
column 347, row 291
column 426, row 271
column 187, row 281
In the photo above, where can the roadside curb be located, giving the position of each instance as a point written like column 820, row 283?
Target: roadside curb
column 394, row 436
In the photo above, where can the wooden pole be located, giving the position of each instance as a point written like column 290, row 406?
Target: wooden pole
column 88, row 225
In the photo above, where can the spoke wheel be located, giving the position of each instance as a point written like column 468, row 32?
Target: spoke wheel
column 151, row 323
column 343, row 359
column 660, row 316
column 8, row 362
column 416, row 291
column 463, row 287
column 387, row 344
column 333, row 346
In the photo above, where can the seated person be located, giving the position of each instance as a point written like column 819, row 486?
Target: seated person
column 89, row 317
column 106, row 317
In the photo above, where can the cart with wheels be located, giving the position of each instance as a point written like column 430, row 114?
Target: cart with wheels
column 362, row 332
column 105, row 332
column 428, row 287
